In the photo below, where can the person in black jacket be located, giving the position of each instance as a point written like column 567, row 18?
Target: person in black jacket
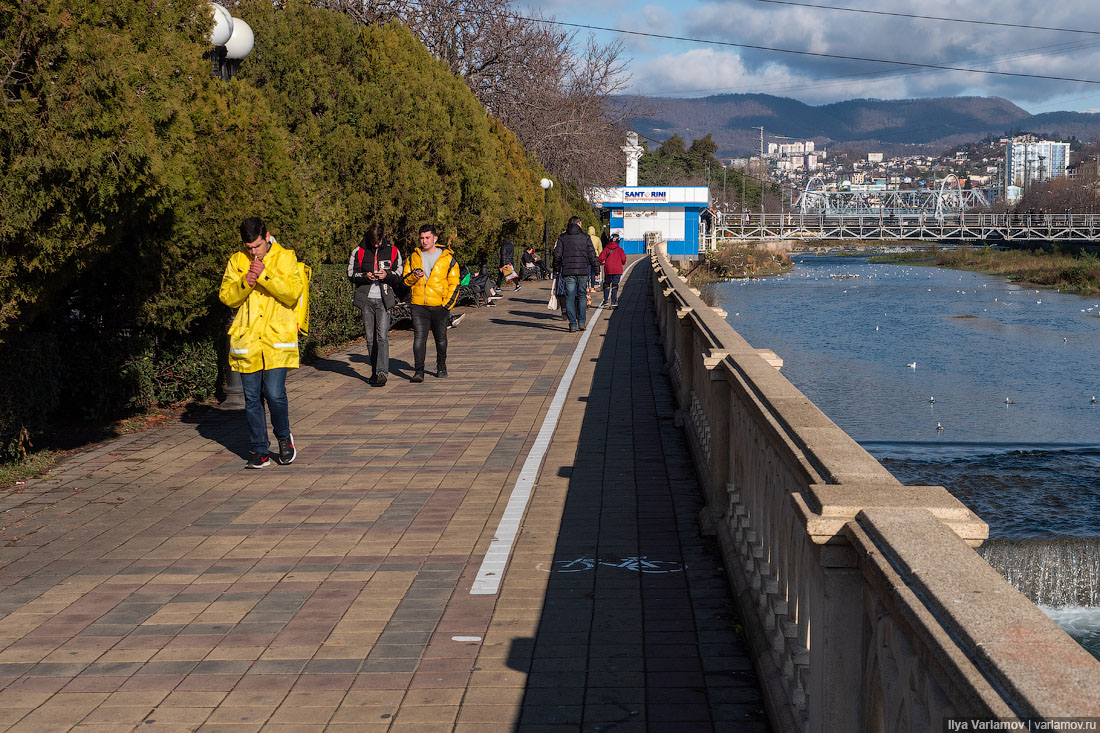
column 374, row 268
column 574, row 258
column 507, row 257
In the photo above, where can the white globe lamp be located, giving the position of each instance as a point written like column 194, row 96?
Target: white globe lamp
column 240, row 42
column 223, row 25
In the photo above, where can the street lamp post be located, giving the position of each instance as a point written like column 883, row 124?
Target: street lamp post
column 232, row 39
column 546, row 184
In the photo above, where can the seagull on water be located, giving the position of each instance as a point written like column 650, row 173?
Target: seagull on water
column 931, row 400
column 912, row 365
column 1008, row 401
column 1094, row 399
column 939, row 426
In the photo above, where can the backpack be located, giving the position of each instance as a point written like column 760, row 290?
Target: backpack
column 301, row 310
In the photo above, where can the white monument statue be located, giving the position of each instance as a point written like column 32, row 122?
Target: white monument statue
column 633, row 154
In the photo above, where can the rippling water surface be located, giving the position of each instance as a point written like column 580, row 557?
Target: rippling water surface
column 1012, row 371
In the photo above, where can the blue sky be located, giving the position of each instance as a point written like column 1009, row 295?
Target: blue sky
column 673, row 68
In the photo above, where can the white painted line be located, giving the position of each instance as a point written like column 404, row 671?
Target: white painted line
column 491, row 572
column 465, row 638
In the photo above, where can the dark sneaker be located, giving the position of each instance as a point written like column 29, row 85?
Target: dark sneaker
column 380, row 379
column 441, row 371
column 287, row 453
column 604, row 304
column 455, row 320
column 515, row 288
column 418, row 376
column 580, row 326
column 258, row 460
column 572, row 329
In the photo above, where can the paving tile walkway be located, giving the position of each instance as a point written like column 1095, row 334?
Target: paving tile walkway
column 151, row 583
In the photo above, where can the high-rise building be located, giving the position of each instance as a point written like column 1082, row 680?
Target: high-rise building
column 1029, row 160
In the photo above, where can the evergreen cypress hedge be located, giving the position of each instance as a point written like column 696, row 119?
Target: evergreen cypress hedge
column 125, row 170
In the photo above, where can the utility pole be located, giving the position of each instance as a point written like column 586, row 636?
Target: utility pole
column 763, row 172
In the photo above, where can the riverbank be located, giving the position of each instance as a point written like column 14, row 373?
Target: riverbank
column 733, row 261
column 1067, row 273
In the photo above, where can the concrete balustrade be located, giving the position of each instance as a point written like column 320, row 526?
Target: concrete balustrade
column 865, row 603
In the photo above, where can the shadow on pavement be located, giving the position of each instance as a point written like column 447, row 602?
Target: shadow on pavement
column 224, row 426
column 637, row 629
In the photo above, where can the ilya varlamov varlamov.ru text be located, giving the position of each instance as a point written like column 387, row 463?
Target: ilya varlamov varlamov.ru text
column 1024, row 724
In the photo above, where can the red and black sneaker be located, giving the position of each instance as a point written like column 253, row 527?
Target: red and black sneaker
column 258, row 460
column 287, row 454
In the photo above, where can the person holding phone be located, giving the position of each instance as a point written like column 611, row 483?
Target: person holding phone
column 431, row 272
column 263, row 283
column 373, row 268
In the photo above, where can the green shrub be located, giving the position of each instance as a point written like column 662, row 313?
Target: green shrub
column 333, row 319
column 29, row 390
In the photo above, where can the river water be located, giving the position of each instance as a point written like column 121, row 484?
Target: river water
column 1013, row 431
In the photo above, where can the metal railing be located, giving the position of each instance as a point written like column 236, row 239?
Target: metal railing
column 890, row 225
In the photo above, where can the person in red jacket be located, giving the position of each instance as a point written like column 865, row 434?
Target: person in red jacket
column 612, row 258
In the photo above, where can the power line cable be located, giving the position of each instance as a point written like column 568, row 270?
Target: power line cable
column 816, row 54
column 844, row 79
column 933, row 17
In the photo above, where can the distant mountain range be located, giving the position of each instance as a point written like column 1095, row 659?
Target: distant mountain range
column 892, row 126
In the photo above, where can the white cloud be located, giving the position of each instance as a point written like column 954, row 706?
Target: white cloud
column 906, row 39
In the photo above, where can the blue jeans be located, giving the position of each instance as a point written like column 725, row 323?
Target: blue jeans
column 576, row 302
column 272, row 383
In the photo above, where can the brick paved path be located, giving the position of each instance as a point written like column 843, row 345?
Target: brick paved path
column 151, row 583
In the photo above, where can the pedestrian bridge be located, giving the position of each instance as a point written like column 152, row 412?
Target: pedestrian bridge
column 891, row 225
column 517, row 547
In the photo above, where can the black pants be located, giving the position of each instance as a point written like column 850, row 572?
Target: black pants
column 434, row 317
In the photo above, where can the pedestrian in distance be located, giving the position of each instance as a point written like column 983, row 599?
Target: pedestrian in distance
column 507, row 258
column 574, row 259
column 373, row 268
column 613, row 259
column 263, row 281
column 431, row 272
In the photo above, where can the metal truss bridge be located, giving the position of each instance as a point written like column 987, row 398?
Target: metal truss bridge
column 945, row 212
column 989, row 228
column 942, row 200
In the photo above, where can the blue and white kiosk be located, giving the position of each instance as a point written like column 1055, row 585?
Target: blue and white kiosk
column 678, row 215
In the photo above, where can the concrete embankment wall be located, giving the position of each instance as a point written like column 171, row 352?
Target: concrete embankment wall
column 866, row 605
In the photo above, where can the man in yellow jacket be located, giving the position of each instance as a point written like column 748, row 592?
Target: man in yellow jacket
column 262, row 282
column 431, row 272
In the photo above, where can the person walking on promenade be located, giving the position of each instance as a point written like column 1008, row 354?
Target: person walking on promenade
column 594, row 275
column 507, row 257
column 613, row 258
column 373, row 268
column 263, row 283
column 574, row 259
column 432, row 273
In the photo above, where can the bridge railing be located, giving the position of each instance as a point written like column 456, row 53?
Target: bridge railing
column 888, row 224
column 864, row 600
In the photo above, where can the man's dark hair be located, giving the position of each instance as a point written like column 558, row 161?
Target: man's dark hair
column 429, row 228
column 574, row 220
column 373, row 237
column 252, row 228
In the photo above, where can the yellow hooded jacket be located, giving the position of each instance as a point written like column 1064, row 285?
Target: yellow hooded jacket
column 264, row 333
column 596, row 243
column 440, row 286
